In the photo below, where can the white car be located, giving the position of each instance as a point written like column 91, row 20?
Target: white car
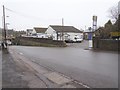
column 79, row 40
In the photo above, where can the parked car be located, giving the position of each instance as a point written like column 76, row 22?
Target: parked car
column 79, row 40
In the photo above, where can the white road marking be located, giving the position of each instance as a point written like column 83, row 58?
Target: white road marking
column 86, row 86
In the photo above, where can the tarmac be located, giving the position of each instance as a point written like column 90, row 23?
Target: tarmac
column 19, row 72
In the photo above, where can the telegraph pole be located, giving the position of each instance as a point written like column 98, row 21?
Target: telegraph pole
column 4, row 27
column 62, row 22
column 62, row 30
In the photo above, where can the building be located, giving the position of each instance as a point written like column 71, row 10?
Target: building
column 88, row 33
column 39, row 32
column 36, row 32
column 65, row 33
column 29, row 32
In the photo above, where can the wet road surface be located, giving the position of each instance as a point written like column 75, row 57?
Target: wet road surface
column 0, row 69
column 97, row 69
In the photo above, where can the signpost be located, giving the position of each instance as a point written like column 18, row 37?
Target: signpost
column 92, row 31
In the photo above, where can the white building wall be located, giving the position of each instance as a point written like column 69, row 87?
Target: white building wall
column 72, row 36
column 51, row 33
column 54, row 36
column 33, row 32
column 41, row 35
column 29, row 33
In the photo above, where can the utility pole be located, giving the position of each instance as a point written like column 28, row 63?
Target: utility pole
column 62, row 30
column 4, row 28
column 62, row 22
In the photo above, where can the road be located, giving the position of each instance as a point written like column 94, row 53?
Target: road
column 97, row 69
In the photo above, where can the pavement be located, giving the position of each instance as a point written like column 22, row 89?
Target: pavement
column 20, row 72
column 11, row 73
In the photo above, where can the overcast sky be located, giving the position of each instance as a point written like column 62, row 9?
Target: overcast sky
column 42, row 13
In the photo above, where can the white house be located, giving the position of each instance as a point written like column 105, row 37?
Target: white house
column 66, row 33
column 29, row 32
column 39, row 32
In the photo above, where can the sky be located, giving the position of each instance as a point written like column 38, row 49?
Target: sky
column 26, row 14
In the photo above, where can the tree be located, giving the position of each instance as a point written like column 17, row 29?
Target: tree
column 114, row 13
column 108, row 24
column 104, row 32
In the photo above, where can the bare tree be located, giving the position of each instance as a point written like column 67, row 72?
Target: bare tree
column 114, row 13
column 119, row 8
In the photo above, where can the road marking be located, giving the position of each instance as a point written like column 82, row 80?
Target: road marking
column 86, row 86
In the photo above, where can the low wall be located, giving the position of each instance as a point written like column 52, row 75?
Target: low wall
column 106, row 44
column 30, row 41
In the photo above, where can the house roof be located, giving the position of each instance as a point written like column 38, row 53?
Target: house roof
column 40, row 30
column 65, row 29
column 29, row 30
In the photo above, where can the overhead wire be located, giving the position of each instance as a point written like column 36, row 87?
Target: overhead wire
column 29, row 16
column 24, row 15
